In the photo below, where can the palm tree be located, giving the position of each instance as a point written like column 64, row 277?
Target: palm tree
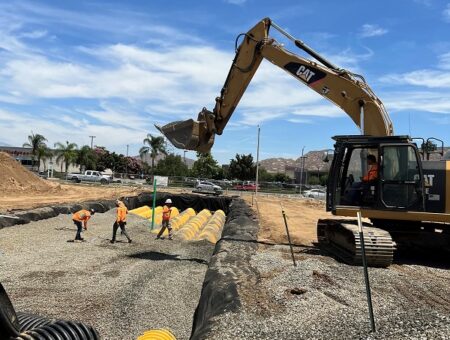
column 156, row 146
column 66, row 152
column 35, row 141
column 86, row 157
column 43, row 154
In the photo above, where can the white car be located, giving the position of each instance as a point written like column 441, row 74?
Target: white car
column 208, row 187
column 315, row 193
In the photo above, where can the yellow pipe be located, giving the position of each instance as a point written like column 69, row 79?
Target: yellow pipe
column 157, row 334
column 178, row 220
column 188, row 231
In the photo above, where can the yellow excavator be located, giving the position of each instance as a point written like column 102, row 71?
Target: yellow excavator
column 408, row 199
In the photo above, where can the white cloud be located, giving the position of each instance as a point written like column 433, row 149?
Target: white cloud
column 436, row 102
column 67, row 128
column 426, row 78
column 236, row 2
column 34, row 34
column 444, row 61
column 368, row 30
column 446, row 13
column 426, row 3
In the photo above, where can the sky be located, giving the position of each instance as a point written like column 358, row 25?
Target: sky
column 113, row 69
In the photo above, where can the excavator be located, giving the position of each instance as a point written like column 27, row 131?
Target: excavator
column 407, row 204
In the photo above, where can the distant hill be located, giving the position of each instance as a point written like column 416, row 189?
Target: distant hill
column 313, row 162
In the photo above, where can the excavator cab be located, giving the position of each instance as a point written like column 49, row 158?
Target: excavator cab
column 378, row 173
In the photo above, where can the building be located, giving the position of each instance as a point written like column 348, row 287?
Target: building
column 24, row 156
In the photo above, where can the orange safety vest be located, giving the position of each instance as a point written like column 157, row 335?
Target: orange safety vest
column 122, row 213
column 372, row 174
column 82, row 216
column 166, row 213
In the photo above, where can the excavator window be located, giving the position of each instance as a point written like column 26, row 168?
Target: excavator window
column 400, row 177
column 357, row 188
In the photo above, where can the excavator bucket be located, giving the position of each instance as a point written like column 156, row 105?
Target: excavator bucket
column 188, row 135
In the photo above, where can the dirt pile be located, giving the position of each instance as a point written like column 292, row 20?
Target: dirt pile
column 16, row 178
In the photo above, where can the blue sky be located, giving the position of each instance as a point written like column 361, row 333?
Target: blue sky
column 112, row 69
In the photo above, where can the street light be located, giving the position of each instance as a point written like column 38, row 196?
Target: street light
column 92, row 141
column 302, row 166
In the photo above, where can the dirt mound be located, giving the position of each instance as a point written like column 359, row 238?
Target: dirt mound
column 16, row 178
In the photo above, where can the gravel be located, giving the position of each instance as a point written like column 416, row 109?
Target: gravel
column 121, row 289
column 325, row 299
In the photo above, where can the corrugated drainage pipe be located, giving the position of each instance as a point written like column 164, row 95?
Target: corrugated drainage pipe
column 38, row 328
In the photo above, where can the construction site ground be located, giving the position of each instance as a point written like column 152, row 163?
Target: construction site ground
column 124, row 289
column 323, row 298
column 121, row 289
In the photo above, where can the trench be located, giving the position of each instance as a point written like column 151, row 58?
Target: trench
column 219, row 288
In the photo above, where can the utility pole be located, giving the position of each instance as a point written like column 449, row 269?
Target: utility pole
column 257, row 163
column 184, row 156
column 302, row 164
column 126, row 164
column 92, row 141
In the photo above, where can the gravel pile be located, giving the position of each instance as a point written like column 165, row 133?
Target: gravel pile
column 121, row 289
column 324, row 299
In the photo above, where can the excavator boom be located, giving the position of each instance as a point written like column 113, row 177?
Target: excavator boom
column 345, row 89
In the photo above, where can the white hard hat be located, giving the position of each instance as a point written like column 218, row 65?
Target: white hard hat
column 168, row 201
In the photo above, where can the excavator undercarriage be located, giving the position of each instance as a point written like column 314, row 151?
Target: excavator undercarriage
column 341, row 238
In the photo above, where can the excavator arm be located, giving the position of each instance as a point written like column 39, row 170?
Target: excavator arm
column 347, row 90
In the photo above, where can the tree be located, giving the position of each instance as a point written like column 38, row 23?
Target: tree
column 280, row 177
column 265, row 176
column 156, row 146
column 206, row 166
column 43, row 154
column 35, row 141
column 172, row 165
column 242, row 167
column 66, row 153
column 134, row 165
column 86, row 157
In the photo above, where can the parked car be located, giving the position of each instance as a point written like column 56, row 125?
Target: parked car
column 315, row 193
column 89, row 176
column 208, row 187
column 246, row 186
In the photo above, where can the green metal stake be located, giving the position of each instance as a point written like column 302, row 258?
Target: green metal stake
column 153, row 203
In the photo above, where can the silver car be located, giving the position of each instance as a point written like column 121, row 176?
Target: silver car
column 315, row 193
column 208, row 187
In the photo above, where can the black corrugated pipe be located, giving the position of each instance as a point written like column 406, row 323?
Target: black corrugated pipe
column 24, row 326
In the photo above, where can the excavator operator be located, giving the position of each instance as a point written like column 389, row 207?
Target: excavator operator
column 372, row 174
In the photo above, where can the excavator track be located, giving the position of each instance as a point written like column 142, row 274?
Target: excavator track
column 341, row 238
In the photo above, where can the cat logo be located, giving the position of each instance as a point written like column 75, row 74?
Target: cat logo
column 325, row 90
column 305, row 73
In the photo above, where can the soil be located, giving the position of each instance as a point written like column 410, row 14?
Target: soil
column 21, row 189
column 301, row 215
column 16, row 178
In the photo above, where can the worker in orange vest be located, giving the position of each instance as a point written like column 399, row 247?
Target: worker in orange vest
column 80, row 219
column 372, row 174
column 167, row 210
column 121, row 221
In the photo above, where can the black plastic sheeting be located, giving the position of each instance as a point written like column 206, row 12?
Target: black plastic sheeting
column 231, row 255
column 181, row 201
column 23, row 217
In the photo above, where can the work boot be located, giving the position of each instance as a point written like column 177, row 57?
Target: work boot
column 129, row 241
column 112, row 241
